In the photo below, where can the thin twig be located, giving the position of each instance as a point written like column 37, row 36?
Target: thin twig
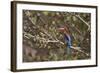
column 79, row 49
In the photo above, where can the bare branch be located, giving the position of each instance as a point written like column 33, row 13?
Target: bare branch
column 78, row 16
column 79, row 50
column 43, row 39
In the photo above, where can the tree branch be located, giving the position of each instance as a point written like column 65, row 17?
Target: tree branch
column 79, row 17
column 43, row 39
column 79, row 50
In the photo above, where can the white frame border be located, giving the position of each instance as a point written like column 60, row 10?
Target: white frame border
column 35, row 65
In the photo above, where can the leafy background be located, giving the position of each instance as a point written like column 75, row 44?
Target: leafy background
column 43, row 42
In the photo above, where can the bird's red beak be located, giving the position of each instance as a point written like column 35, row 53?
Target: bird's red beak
column 61, row 29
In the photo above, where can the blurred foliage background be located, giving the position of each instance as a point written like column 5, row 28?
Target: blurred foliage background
column 43, row 42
